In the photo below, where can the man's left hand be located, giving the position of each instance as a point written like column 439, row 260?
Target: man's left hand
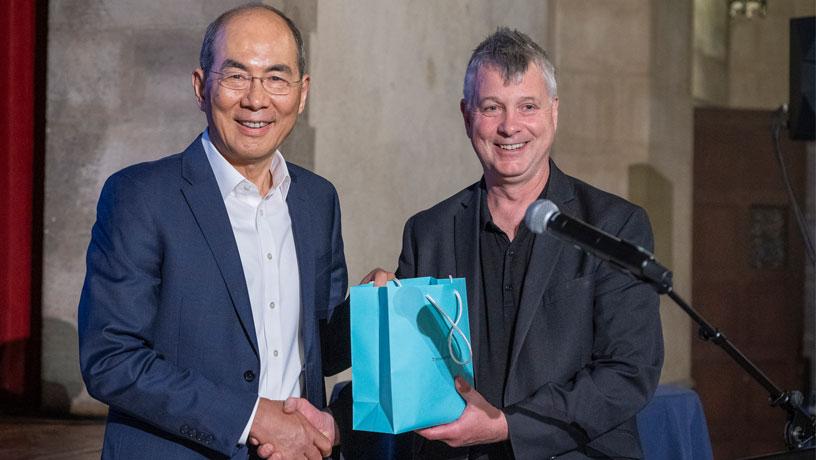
column 379, row 276
column 480, row 423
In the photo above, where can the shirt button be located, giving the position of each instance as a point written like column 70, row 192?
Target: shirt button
column 272, row 305
column 269, row 255
column 275, row 353
column 260, row 211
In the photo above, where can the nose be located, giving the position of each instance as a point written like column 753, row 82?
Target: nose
column 509, row 124
column 256, row 97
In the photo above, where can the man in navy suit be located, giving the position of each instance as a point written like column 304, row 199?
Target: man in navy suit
column 566, row 349
column 213, row 274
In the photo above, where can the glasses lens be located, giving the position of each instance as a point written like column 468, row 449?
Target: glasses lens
column 234, row 81
column 276, row 86
column 240, row 82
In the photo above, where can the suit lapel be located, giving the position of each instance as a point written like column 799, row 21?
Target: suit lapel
column 303, row 234
column 543, row 260
column 205, row 201
column 466, row 250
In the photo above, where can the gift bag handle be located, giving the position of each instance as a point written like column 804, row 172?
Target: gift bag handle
column 455, row 329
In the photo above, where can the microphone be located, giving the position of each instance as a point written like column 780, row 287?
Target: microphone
column 543, row 216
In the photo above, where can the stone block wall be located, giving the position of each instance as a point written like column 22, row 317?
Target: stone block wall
column 382, row 122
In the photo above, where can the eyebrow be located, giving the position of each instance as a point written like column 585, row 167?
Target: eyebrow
column 488, row 99
column 273, row 68
column 523, row 99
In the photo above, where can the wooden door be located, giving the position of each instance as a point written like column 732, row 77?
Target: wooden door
column 748, row 275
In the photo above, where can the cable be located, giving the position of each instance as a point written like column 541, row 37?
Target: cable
column 778, row 122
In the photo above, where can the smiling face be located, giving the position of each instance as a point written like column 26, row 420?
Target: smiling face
column 247, row 126
column 511, row 125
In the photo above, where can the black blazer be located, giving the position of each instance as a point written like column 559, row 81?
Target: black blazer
column 588, row 345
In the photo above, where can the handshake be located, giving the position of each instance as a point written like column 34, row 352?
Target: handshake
column 295, row 428
column 292, row 429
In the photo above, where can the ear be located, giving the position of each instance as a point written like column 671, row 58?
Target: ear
column 554, row 113
column 304, row 91
column 199, row 87
column 463, row 107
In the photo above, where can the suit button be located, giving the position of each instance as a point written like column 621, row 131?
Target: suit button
column 249, row 376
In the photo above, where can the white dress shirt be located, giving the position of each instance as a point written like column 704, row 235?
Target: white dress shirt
column 263, row 231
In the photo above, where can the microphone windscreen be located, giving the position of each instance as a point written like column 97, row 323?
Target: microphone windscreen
column 538, row 214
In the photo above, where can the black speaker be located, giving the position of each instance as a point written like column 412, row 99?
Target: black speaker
column 802, row 100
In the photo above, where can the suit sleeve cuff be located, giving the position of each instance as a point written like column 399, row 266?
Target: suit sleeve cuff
column 245, row 434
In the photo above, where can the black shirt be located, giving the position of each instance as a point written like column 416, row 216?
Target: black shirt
column 504, row 268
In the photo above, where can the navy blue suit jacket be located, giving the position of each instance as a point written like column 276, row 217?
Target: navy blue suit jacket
column 166, row 332
column 587, row 346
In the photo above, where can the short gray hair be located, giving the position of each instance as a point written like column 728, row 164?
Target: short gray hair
column 206, row 56
column 511, row 52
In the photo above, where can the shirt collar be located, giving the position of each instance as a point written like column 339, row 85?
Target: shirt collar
column 227, row 177
column 485, row 219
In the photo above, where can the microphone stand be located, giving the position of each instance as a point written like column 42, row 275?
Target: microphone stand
column 800, row 426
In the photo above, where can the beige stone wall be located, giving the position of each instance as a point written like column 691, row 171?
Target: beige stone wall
column 710, row 59
column 670, row 154
column 601, row 51
column 758, row 55
column 625, row 71
column 382, row 122
column 387, row 85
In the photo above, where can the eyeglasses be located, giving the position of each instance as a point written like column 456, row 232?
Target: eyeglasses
column 241, row 82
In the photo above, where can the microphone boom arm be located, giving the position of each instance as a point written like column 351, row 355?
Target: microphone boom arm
column 640, row 263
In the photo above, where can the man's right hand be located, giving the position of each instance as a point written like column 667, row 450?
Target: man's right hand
column 321, row 420
column 291, row 434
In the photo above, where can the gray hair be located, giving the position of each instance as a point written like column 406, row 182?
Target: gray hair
column 206, row 57
column 511, row 52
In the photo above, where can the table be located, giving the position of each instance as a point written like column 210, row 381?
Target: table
column 673, row 427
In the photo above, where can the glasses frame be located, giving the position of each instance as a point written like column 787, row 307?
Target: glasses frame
column 285, row 90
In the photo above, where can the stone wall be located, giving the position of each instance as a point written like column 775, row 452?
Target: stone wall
column 624, row 88
column 758, row 55
column 382, row 122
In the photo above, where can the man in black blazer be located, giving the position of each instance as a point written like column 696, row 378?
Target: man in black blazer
column 567, row 349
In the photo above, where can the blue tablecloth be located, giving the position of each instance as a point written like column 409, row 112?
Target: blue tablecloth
column 673, row 427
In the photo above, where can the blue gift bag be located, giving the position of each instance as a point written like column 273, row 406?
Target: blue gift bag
column 409, row 339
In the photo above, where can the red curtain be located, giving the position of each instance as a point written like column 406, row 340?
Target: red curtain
column 17, row 48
